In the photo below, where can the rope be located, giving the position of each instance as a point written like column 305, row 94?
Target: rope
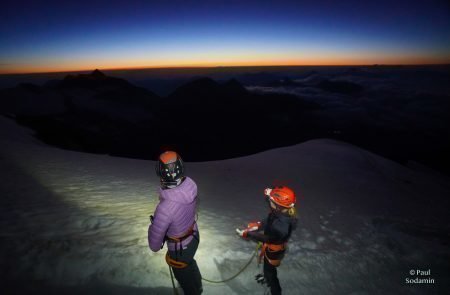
column 258, row 245
column 175, row 292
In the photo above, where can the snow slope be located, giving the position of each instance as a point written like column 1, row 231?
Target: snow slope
column 77, row 223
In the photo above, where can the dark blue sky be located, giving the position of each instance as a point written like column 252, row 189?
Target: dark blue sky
column 73, row 35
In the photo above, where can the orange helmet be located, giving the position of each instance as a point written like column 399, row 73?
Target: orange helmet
column 282, row 196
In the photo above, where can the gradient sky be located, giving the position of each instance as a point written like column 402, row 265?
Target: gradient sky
column 37, row 36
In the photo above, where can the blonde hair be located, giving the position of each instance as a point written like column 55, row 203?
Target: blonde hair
column 292, row 212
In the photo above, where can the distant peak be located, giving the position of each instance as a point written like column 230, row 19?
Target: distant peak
column 97, row 73
column 201, row 83
column 204, row 80
column 234, row 85
column 233, row 81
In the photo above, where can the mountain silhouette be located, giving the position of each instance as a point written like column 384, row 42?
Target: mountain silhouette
column 206, row 88
column 205, row 113
column 206, row 119
column 95, row 80
column 233, row 87
column 207, row 93
column 96, row 73
column 257, row 78
column 102, row 114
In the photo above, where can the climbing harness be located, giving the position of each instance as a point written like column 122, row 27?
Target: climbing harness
column 275, row 251
column 179, row 240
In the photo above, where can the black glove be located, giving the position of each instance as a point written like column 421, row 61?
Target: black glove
column 151, row 219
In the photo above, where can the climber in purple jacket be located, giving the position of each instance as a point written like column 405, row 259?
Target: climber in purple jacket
column 174, row 222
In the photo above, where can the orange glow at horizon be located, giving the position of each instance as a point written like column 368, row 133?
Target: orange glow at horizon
column 235, row 61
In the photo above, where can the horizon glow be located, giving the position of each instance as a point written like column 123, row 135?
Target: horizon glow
column 52, row 36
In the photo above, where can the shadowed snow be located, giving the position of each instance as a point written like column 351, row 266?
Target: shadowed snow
column 78, row 222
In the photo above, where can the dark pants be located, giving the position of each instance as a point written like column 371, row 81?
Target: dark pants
column 189, row 277
column 270, row 274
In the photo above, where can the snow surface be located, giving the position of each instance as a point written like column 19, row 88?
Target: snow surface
column 76, row 223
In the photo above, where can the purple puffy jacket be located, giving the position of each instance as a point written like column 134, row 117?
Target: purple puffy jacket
column 174, row 215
